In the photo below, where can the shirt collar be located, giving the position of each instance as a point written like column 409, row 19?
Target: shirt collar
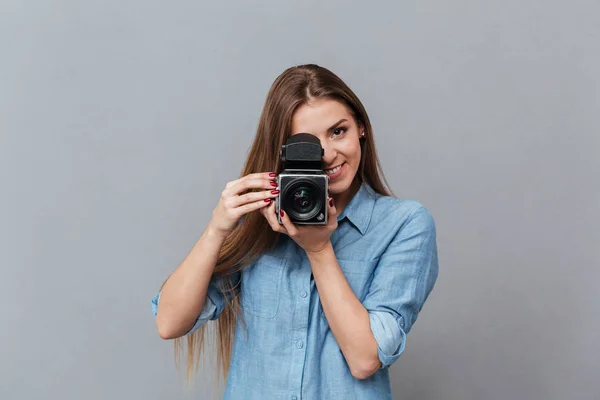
column 360, row 208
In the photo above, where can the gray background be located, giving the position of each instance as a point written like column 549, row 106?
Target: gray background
column 121, row 122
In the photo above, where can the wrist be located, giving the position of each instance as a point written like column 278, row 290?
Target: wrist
column 327, row 247
column 214, row 234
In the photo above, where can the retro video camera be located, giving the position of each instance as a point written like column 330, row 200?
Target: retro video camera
column 302, row 182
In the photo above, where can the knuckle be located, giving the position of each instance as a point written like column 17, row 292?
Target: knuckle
column 236, row 214
column 255, row 196
column 242, row 197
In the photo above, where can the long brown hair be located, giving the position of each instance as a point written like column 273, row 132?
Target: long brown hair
column 294, row 87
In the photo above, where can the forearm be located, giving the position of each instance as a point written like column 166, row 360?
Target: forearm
column 184, row 293
column 347, row 317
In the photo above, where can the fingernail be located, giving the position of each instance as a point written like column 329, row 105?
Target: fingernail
column 268, row 200
column 274, row 191
column 331, row 202
column 274, row 184
column 281, row 212
column 272, row 174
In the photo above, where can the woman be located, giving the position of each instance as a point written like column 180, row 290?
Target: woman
column 323, row 310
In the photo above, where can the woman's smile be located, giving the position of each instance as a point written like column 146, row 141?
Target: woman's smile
column 335, row 172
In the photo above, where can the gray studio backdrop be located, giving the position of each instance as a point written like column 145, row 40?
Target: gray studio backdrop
column 121, row 122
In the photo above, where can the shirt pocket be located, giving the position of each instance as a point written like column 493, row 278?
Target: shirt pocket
column 359, row 275
column 261, row 286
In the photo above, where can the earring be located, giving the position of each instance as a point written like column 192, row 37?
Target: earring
column 362, row 134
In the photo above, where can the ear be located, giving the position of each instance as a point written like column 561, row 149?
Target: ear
column 361, row 130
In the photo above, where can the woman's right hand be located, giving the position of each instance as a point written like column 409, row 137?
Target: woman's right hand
column 235, row 202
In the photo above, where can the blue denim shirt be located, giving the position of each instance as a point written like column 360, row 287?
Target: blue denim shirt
column 386, row 249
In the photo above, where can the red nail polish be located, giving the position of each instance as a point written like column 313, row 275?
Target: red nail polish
column 281, row 212
column 274, row 184
column 272, row 174
column 268, row 200
column 331, row 202
column 274, row 191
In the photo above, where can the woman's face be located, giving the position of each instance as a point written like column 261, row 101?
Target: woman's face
column 332, row 122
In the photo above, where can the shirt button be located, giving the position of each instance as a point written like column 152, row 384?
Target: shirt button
column 294, row 397
column 303, row 293
column 299, row 344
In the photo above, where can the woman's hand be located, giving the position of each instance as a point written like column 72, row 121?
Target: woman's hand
column 312, row 238
column 235, row 202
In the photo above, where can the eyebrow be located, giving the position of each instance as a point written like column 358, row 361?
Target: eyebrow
column 336, row 124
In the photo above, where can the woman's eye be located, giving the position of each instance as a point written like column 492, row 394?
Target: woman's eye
column 338, row 131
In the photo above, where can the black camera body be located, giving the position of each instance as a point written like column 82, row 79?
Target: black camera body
column 303, row 184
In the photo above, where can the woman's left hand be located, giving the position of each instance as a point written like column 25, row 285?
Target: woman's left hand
column 312, row 238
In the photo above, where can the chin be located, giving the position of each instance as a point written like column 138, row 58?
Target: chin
column 338, row 187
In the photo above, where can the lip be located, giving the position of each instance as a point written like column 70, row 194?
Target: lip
column 335, row 166
column 337, row 174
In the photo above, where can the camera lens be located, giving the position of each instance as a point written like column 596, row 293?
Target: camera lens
column 302, row 199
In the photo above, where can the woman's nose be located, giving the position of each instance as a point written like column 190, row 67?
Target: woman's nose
column 328, row 155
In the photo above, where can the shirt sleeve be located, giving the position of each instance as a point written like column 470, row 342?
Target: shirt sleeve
column 214, row 304
column 402, row 280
